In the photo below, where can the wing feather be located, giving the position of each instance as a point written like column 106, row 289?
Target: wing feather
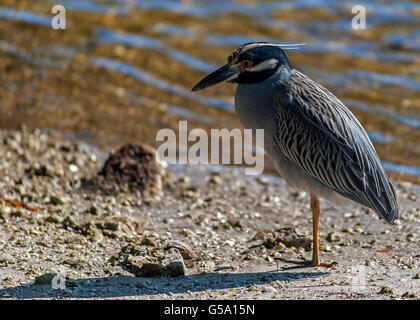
column 322, row 137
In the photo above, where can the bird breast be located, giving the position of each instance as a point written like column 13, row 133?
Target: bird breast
column 255, row 107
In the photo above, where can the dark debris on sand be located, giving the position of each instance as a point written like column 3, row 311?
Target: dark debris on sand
column 131, row 169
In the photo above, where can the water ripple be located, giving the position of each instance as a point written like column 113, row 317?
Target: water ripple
column 24, row 16
column 109, row 36
column 130, row 70
column 413, row 170
column 382, row 110
column 393, row 39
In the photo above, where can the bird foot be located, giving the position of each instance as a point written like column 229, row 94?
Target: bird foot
column 328, row 265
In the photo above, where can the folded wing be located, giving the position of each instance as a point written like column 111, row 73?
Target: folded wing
column 322, row 137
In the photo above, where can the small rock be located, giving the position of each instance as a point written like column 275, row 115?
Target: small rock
column 149, row 268
column 173, row 262
column 73, row 168
column 358, row 229
column 93, row 210
column 185, row 251
column 224, row 266
column 207, row 265
column 269, row 289
column 333, row 237
column 215, row 180
column 53, row 219
column 2, row 213
column 57, row 201
column 97, row 236
column 235, row 223
column 92, row 232
column 149, row 241
column 175, row 268
column 157, row 253
column 386, row 290
column 230, row 243
column 412, row 196
column 134, row 250
column 45, row 278
column 262, row 180
column 409, row 295
column 7, row 258
column 109, row 225
column 69, row 222
column 411, row 237
column 153, row 262
column 16, row 213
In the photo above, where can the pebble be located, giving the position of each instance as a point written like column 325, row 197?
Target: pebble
column 7, row 258
column 269, row 289
column 223, row 266
column 184, row 249
column 333, row 237
column 46, row 278
column 386, row 290
column 53, row 219
column 73, row 168
column 207, row 266
column 409, row 295
column 57, row 200
column 229, row 242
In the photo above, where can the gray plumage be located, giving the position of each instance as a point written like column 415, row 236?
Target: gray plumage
column 315, row 142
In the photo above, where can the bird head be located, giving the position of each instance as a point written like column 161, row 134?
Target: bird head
column 250, row 63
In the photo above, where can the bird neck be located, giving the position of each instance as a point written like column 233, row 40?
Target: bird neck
column 282, row 73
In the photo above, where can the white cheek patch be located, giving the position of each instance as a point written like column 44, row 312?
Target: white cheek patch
column 265, row 65
column 232, row 77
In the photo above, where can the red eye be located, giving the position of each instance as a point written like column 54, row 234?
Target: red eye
column 246, row 63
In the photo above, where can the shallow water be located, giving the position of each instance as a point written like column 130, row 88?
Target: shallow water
column 124, row 69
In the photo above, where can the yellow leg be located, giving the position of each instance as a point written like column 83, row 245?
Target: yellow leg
column 315, row 254
column 315, row 218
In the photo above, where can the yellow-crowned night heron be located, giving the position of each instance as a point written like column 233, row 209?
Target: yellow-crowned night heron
column 314, row 141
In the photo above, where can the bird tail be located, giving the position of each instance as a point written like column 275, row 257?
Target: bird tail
column 385, row 201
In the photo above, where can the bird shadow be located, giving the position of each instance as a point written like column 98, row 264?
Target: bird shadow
column 127, row 285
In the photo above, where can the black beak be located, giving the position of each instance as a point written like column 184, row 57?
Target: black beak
column 227, row 72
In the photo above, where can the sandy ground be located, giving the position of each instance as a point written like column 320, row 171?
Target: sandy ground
column 228, row 229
